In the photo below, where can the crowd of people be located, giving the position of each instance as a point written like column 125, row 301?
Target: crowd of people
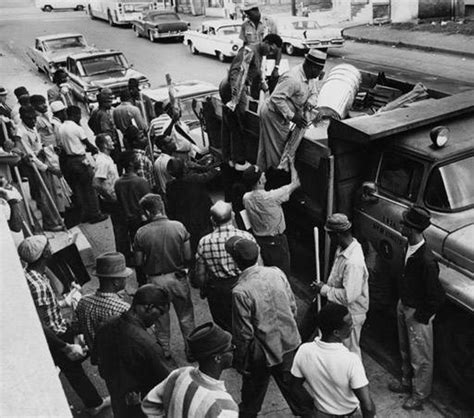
column 147, row 176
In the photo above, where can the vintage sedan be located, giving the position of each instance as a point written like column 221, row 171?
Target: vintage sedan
column 94, row 70
column 159, row 25
column 303, row 33
column 190, row 94
column 219, row 38
column 50, row 51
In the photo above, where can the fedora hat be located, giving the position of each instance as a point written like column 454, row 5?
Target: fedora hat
column 111, row 265
column 417, row 217
column 3, row 91
column 317, row 57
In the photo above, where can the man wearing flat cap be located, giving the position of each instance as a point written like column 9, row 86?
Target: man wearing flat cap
column 264, row 330
column 287, row 104
column 421, row 296
column 197, row 391
column 35, row 252
column 94, row 309
column 348, row 282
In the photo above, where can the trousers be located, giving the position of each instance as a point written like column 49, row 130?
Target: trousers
column 177, row 287
column 416, row 349
column 255, row 383
column 233, row 143
column 353, row 342
column 275, row 252
column 75, row 374
column 219, row 298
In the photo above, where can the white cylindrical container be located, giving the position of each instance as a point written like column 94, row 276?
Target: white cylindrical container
column 340, row 89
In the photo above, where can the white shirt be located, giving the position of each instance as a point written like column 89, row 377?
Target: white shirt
column 412, row 249
column 105, row 169
column 71, row 136
column 348, row 282
column 332, row 372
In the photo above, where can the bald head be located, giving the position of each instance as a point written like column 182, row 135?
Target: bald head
column 221, row 212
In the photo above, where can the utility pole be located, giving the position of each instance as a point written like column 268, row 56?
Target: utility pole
column 293, row 7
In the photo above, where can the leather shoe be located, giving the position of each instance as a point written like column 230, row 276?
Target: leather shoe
column 398, row 387
column 413, row 403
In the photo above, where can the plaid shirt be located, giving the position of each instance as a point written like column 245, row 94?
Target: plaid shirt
column 145, row 168
column 45, row 301
column 211, row 251
column 93, row 310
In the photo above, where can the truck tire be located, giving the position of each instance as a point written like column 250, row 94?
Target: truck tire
column 47, row 8
column 454, row 348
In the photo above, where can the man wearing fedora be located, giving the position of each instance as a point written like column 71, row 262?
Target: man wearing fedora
column 197, row 390
column 287, row 104
column 129, row 359
column 264, row 330
column 348, row 282
column 35, row 252
column 94, row 309
column 421, row 296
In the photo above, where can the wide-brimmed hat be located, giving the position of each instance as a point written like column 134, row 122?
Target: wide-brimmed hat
column 3, row 91
column 242, row 248
column 31, row 248
column 315, row 56
column 337, row 222
column 249, row 5
column 111, row 265
column 208, row 339
column 417, row 217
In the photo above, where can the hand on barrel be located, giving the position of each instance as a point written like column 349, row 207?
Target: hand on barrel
column 299, row 120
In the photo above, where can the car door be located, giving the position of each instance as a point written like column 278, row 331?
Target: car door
column 200, row 40
column 75, row 81
column 378, row 214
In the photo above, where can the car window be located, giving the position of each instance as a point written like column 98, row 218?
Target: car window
column 72, row 67
column 39, row 46
column 70, row 42
column 103, row 64
column 400, row 176
column 450, row 186
column 229, row 30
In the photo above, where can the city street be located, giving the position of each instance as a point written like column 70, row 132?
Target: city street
column 20, row 23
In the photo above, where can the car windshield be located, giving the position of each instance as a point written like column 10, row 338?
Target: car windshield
column 449, row 187
column 229, row 30
column 62, row 43
column 103, row 64
column 305, row 25
column 167, row 17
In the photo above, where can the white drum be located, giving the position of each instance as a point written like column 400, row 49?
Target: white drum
column 340, row 89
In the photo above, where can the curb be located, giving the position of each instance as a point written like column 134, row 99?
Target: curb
column 406, row 45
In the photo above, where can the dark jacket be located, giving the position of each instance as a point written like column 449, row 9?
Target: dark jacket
column 419, row 285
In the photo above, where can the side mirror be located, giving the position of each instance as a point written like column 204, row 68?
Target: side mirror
column 369, row 191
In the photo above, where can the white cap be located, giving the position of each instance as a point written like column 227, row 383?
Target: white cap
column 57, row 106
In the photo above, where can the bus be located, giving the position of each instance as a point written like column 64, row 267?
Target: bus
column 123, row 12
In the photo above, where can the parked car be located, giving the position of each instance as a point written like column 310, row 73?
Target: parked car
column 159, row 25
column 49, row 5
column 91, row 71
column 190, row 95
column 216, row 37
column 50, row 51
column 303, row 33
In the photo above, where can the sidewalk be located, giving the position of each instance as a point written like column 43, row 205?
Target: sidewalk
column 434, row 42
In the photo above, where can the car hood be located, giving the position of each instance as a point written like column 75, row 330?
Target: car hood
column 113, row 77
column 458, row 247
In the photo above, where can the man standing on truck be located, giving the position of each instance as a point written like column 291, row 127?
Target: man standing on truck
column 421, row 296
column 285, row 105
column 348, row 282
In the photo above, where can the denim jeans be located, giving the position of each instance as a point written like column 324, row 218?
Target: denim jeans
column 416, row 348
column 177, row 287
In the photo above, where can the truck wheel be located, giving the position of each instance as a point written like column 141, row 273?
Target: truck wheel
column 290, row 49
column 47, row 8
column 192, row 48
column 221, row 57
column 110, row 19
column 80, row 8
column 151, row 36
column 454, row 348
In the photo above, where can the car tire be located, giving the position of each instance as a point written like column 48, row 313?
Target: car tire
column 289, row 49
column 47, row 8
column 80, row 8
column 110, row 19
column 151, row 37
column 221, row 57
column 136, row 32
column 192, row 48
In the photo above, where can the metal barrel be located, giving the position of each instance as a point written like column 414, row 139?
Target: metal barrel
column 340, row 89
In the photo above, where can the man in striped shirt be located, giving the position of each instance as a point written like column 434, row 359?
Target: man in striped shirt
column 197, row 392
